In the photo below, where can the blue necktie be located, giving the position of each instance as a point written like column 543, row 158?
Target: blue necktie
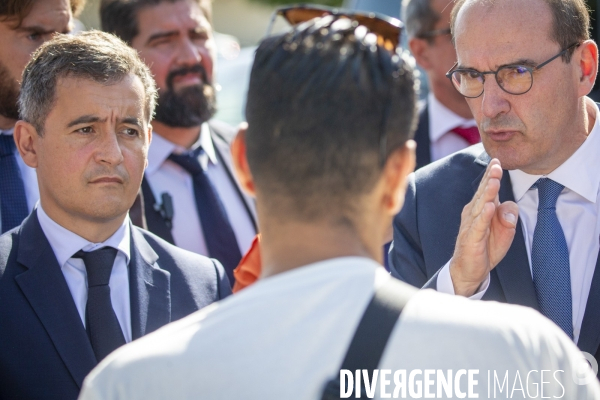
column 101, row 322
column 550, row 259
column 13, row 203
column 218, row 233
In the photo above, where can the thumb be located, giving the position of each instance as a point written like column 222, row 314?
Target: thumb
column 508, row 214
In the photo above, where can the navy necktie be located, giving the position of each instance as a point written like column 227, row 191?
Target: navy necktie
column 218, row 233
column 101, row 322
column 550, row 259
column 13, row 203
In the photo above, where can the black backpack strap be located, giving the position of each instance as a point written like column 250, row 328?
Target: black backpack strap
column 373, row 332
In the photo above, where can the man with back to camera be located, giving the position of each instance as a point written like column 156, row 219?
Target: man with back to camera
column 189, row 159
column 446, row 124
column 537, row 172
column 24, row 26
column 326, row 193
column 77, row 279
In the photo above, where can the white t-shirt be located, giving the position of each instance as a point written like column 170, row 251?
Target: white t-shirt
column 286, row 335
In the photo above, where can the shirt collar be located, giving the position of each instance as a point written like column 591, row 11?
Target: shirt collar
column 161, row 148
column 7, row 131
column 578, row 173
column 65, row 243
column 442, row 120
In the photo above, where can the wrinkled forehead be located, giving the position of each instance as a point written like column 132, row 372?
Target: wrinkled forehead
column 497, row 32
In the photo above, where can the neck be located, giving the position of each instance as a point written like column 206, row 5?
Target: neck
column 184, row 137
column 451, row 99
column 286, row 245
column 94, row 230
column 7, row 123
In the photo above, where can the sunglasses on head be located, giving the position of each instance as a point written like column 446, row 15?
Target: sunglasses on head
column 387, row 29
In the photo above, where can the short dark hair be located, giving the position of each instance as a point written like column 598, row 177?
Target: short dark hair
column 119, row 17
column 570, row 22
column 317, row 105
column 419, row 16
column 93, row 55
column 19, row 9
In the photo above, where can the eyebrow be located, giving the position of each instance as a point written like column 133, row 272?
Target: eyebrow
column 523, row 61
column 36, row 29
column 160, row 35
column 90, row 119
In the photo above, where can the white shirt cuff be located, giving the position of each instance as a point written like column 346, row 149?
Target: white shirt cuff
column 444, row 283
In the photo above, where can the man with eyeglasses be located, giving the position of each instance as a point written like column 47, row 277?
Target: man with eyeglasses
column 446, row 124
column 327, row 191
column 517, row 219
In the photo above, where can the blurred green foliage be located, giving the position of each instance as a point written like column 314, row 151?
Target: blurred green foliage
column 333, row 3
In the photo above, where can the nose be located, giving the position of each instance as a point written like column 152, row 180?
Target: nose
column 188, row 54
column 494, row 100
column 109, row 150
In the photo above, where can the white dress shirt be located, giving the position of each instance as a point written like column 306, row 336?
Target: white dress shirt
column 32, row 192
column 286, row 335
column 65, row 244
column 166, row 176
column 441, row 121
column 577, row 209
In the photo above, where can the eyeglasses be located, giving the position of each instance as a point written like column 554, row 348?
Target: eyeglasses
column 434, row 33
column 387, row 29
column 513, row 79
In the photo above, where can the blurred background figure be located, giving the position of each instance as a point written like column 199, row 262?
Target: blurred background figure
column 446, row 124
column 191, row 197
column 24, row 26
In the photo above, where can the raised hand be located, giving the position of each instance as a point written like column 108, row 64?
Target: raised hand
column 487, row 229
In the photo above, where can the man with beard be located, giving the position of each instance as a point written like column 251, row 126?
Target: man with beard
column 191, row 197
column 24, row 26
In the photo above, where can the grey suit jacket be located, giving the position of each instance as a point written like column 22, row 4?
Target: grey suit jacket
column 426, row 228
column 44, row 348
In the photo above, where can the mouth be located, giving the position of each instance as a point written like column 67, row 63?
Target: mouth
column 501, row 135
column 108, row 180
column 191, row 78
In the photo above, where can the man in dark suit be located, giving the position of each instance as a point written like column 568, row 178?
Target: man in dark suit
column 24, row 26
column 77, row 279
column 189, row 187
column 516, row 219
column 446, row 124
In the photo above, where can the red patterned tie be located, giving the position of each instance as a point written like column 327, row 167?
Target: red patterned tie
column 471, row 134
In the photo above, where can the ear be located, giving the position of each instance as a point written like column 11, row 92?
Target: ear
column 419, row 49
column 400, row 163
column 26, row 140
column 588, row 64
column 240, row 162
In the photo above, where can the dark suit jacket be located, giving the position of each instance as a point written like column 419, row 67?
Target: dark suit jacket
column 425, row 232
column 44, row 349
column 222, row 134
column 422, row 137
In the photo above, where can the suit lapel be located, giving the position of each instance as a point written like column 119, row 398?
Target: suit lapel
column 46, row 290
column 422, row 138
column 154, row 220
column 149, row 288
column 223, row 153
column 514, row 274
column 589, row 338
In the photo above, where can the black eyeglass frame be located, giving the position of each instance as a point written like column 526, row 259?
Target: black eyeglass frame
column 337, row 13
column 434, row 33
column 495, row 73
